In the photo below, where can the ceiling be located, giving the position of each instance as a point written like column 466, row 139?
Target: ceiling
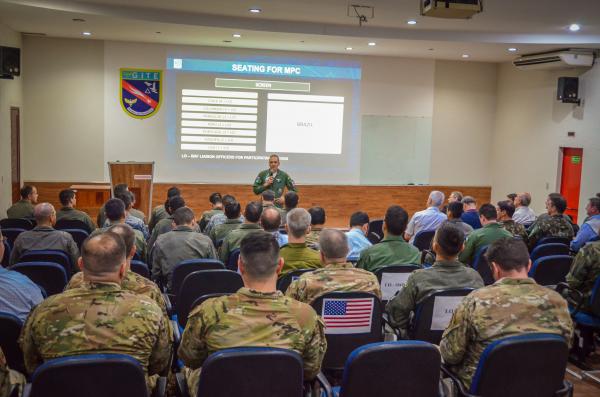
column 318, row 25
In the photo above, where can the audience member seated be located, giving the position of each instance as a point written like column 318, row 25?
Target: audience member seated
column 117, row 189
column 233, row 220
column 132, row 282
column 220, row 219
column 134, row 222
column 584, row 271
column 44, row 236
column 490, row 232
column 115, row 214
column 160, row 212
column 454, row 197
column 470, row 215
column 216, row 203
column 251, row 224
column 99, row 316
column 447, row 272
column 165, row 225
column 180, row 244
column 135, row 212
column 553, row 224
column 317, row 220
column 393, row 249
column 357, row 235
column 505, row 210
column 18, row 294
column 268, row 199
column 590, row 229
column 523, row 214
column 290, row 201
column 513, row 305
column 337, row 275
column 270, row 219
column 269, row 318
column 24, row 207
column 296, row 253
column 454, row 212
column 511, row 197
column 428, row 219
column 68, row 199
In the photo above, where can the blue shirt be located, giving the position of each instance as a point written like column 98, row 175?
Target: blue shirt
column 357, row 242
column 18, row 294
column 471, row 217
column 135, row 223
column 429, row 219
column 589, row 230
column 282, row 239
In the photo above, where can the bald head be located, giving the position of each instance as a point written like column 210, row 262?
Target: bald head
column 44, row 214
column 103, row 255
column 270, row 219
column 334, row 245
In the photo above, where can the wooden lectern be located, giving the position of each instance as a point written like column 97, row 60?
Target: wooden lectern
column 139, row 178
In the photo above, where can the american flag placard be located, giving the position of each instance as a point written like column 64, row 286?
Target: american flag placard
column 347, row 316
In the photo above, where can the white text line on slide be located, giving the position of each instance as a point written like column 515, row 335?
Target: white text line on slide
column 306, row 98
column 219, row 116
column 219, row 94
column 218, row 124
column 216, row 131
column 218, row 148
column 219, row 101
column 218, row 109
column 217, row 139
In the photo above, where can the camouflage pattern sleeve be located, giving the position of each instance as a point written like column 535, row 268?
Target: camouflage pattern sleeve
column 193, row 349
column 296, row 290
column 31, row 355
column 161, row 352
column 401, row 305
column 533, row 235
column 455, row 339
column 579, row 270
column 315, row 348
column 4, row 376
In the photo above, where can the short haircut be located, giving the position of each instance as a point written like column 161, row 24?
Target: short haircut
column 232, row 209
column 126, row 232
column 488, row 211
column 595, row 202
column 507, row 206
column 65, row 196
column 103, row 253
column 508, row 253
column 173, row 191
column 215, row 198
column 458, row 195
column 228, row 198
column 183, row 216
column 511, row 196
column 469, row 200
column 274, row 155
column 43, row 211
column 359, row 218
column 175, row 203
column 291, row 200
column 259, row 252
column 125, row 197
column 449, row 238
column 252, row 211
column 270, row 219
column 298, row 222
column 333, row 243
column 317, row 215
column 26, row 191
column 456, row 209
column 436, row 197
column 114, row 209
column 120, row 188
column 558, row 201
column 396, row 219
column 525, row 199
column 268, row 195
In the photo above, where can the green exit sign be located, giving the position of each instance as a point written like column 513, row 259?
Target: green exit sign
column 576, row 160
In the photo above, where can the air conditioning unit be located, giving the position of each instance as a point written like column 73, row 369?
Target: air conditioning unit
column 564, row 59
column 456, row 9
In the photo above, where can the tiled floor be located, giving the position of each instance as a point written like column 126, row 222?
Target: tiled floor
column 587, row 387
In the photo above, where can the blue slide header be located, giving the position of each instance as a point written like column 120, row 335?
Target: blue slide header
column 263, row 69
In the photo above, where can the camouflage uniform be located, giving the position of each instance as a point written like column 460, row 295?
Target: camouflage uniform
column 138, row 214
column 21, row 209
column 206, row 215
column 479, row 238
column 550, row 226
column 97, row 318
column 442, row 275
column 220, row 231
column 234, row 239
column 514, row 228
column 299, row 256
column 5, row 385
column 312, row 238
column 45, row 238
column 392, row 250
column 584, row 271
column 280, row 182
column 335, row 277
column 506, row 308
column 141, row 248
column 71, row 214
column 158, row 213
column 251, row 318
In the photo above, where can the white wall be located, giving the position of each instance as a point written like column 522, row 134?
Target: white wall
column 11, row 94
column 531, row 126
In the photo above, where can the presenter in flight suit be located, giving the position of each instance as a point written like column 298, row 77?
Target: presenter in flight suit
column 275, row 180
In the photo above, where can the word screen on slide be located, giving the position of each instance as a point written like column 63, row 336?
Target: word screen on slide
column 237, row 112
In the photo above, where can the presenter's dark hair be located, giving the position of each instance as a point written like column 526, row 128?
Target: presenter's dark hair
column 488, row 211
column 396, row 219
column 507, row 206
column 65, row 196
column 359, row 218
column 291, row 200
column 449, row 238
column 317, row 215
column 252, row 211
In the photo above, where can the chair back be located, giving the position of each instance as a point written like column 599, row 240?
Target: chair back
column 433, row 313
column 54, row 256
column 79, row 235
column 252, row 371
column 284, row 281
column 204, row 298
column 17, row 223
column 392, row 279
column 5, row 260
column 51, row 277
column 480, row 263
column 595, row 298
column 232, row 261
column 375, row 231
column 10, row 329
column 551, row 270
column 65, row 224
column 549, row 249
column 383, row 369
column 519, row 365
column 352, row 319
column 423, row 239
column 551, row 239
column 140, row 268
column 202, row 283
column 183, row 268
column 90, row 375
column 11, row 234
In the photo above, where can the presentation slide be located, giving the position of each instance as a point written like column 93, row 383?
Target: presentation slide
column 228, row 115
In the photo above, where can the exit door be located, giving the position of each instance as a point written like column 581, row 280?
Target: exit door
column 570, row 182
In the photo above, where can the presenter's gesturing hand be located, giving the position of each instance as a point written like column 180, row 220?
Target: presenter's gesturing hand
column 268, row 182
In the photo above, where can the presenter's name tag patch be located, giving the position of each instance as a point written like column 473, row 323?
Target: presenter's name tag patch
column 141, row 92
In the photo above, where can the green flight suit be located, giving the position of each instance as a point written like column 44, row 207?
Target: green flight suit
column 281, row 181
column 392, row 250
column 138, row 214
column 21, row 209
column 480, row 237
column 298, row 256
column 234, row 239
column 206, row 215
column 220, row 231
column 158, row 213
column 71, row 214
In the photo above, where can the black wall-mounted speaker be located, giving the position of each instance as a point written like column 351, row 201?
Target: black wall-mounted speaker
column 10, row 62
column 568, row 90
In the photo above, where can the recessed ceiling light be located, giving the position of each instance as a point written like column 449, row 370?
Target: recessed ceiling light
column 372, row 44
column 255, row 10
column 237, row 35
column 465, row 55
column 411, row 22
column 87, row 33
column 512, row 49
column 574, row 27
column 78, row 20
column 348, row 48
